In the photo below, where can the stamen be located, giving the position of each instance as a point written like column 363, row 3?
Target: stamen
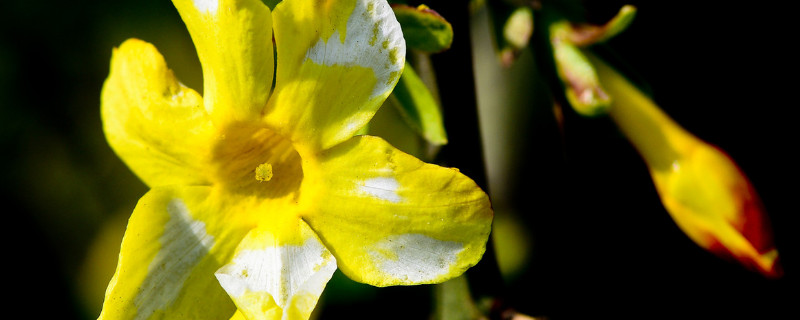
column 264, row 172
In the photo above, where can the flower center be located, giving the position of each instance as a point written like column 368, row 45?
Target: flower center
column 254, row 160
column 264, row 172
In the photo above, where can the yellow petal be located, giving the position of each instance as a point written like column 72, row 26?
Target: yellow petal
column 278, row 272
column 176, row 239
column 238, row 315
column 155, row 124
column 338, row 60
column 234, row 43
column 704, row 191
column 391, row 219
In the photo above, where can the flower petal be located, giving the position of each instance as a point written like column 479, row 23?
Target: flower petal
column 338, row 60
column 391, row 219
column 176, row 239
column 234, row 43
column 155, row 124
column 278, row 274
column 238, row 315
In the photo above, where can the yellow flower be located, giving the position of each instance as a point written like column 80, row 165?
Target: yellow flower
column 259, row 194
column 704, row 191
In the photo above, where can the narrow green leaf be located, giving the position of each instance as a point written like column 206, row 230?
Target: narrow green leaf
column 419, row 108
column 423, row 28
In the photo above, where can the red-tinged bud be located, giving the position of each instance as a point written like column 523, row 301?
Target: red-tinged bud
column 713, row 202
column 701, row 187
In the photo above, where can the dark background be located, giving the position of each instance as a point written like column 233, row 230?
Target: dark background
column 603, row 246
column 606, row 247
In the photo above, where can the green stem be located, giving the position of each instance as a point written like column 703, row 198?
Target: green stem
column 464, row 150
column 454, row 302
column 658, row 138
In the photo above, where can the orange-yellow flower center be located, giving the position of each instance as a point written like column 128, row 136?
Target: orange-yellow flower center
column 246, row 155
column 264, row 172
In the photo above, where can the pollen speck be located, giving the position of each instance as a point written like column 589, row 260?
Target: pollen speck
column 264, row 172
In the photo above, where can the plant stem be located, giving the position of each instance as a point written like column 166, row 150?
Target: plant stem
column 454, row 71
column 454, row 302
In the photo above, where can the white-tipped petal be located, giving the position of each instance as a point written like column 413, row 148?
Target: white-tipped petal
column 276, row 277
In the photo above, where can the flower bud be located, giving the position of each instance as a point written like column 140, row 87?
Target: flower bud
column 701, row 187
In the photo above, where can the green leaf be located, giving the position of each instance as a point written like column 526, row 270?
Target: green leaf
column 419, row 108
column 423, row 28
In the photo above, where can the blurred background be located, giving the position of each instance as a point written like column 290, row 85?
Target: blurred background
column 579, row 228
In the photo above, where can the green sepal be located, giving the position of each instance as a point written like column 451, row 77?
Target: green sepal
column 419, row 108
column 583, row 89
column 364, row 130
column 581, row 84
column 518, row 29
column 423, row 28
column 584, row 35
column 499, row 15
column 271, row 3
